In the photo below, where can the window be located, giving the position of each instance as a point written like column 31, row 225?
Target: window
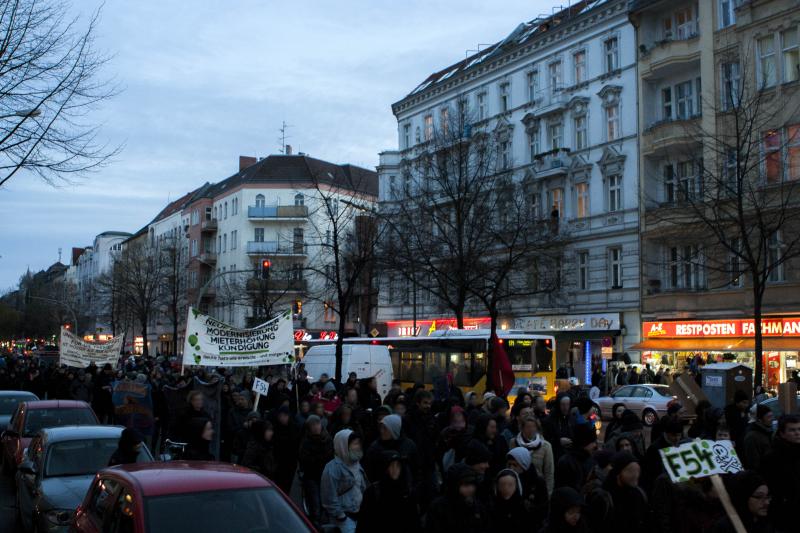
column 533, row 142
column 555, row 199
column 582, row 200
column 734, row 264
column 730, row 85
column 444, row 120
column 533, row 85
column 224, row 242
column 775, row 258
column 505, row 97
column 535, row 208
column 195, row 217
column 611, row 49
column 555, row 133
column 772, row 156
column 791, row 55
column 686, row 267
column 579, row 66
column 234, row 238
column 554, row 70
column 260, row 201
column 406, row 135
column 793, row 151
column 684, row 24
column 504, row 154
column 481, row 106
column 727, row 13
column 428, row 127
column 298, row 241
column 208, row 213
column 766, row 62
column 684, row 100
column 666, row 103
column 681, row 181
column 259, row 235
column 299, row 199
column 730, row 173
column 614, row 193
column 226, row 210
column 612, row 122
column 583, row 270
column 615, row 267
column 580, row 132
column 235, row 207
column 194, row 247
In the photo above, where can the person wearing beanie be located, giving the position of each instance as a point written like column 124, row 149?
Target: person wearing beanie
column 781, row 468
column 574, row 467
column 391, row 439
column 751, row 498
column 508, row 509
column 629, row 509
column 566, row 512
column 736, row 417
column 758, row 438
column 390, row 503
column 652, row 467
column 674, row 409
column 487, row 433
column 128, row 449
column 534, row 488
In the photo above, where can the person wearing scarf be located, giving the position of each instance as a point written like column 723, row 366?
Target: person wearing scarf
column 541, row 451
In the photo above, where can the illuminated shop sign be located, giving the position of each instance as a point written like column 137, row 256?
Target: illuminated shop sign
column 770, row 327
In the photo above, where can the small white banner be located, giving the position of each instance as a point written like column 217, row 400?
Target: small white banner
column 210, row 342
column 700, row 458
column 76, row 352
column 260, row 387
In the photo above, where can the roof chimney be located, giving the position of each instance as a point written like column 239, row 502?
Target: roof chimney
column 288, row 150
column 246, row 161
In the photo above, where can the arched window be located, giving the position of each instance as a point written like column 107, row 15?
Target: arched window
column 260, row 201
column 226, row 209
column 299, row 199
column 215, row 212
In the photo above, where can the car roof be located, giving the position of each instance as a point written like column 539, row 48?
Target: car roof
column 18, row 393
column 56, row 404
column 65, row 433
column 180, row 477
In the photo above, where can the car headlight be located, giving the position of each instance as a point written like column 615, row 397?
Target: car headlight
column 59, row 517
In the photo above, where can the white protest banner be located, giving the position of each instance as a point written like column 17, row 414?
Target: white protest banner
column 75, row 352
column 210, row 342
column 700, row 458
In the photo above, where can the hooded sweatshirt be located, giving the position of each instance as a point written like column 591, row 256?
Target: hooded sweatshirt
column 343, row 480
column 398, row 443
column 510, row 514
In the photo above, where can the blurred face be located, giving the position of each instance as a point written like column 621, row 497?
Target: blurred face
column 791, row 433
column 197, row 402
column 283, row 418
column 458, row 420
column 743, row 405
column 540, row 404
column 305, row 407
column 618, row 412
column 352, row 396
column 723, row 434
column 467, row 491
column 491, row 429
column 573, row 516
column 319, row 409
column 506, row 487
column 673, row 438
column 400, row 409
column 315, row 428
column 240, row 400
column 394, row 470
column 425, row 405
column 385, row 433
column 758, row 503
column 524, row 413
column 529, row 430
column 268, row 433
column 625, row 445
column 767, row 419
column 208, row 431
column 630, row 475
column 563, row 405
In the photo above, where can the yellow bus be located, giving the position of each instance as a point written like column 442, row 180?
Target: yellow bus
column 463, row 353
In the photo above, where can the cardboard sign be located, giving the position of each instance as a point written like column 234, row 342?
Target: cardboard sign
column 133, row 406
column 700, row 458
column 260, row 386
column 77, row 353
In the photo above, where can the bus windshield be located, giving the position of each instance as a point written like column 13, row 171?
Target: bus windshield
column 531, row 355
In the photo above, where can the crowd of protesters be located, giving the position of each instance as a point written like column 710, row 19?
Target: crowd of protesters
column 443, row 461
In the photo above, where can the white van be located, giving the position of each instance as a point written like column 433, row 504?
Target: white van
column 366, row 360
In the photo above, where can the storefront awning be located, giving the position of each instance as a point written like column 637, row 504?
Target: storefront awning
column 735, row 344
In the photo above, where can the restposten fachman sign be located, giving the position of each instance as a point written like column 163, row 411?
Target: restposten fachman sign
column 210, row 342
column 75, row 352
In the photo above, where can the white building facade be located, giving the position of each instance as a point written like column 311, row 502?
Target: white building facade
column 564, row 88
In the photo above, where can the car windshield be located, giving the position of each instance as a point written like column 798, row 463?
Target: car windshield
column 662, row 390
column 37, row 419
column 8, row 404
column 252, row 510
column 82, row 457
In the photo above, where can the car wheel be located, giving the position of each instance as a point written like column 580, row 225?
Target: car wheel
column 649, row 417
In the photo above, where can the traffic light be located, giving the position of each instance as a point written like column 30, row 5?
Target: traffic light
column 265, row 264
column 68, row 326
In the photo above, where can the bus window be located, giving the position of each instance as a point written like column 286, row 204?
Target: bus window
column 478, row 366
column 520, row 353
column 544, row 357
column 460, row 366
column 435, row 365
column 411, row 367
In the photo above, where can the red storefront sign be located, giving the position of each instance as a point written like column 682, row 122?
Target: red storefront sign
column 405, row 328
column 770, row 327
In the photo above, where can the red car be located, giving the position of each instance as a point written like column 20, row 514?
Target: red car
column 32, row 416
column 186, row 496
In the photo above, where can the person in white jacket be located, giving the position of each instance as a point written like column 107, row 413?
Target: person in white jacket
column 530, row 438
column 343, row 482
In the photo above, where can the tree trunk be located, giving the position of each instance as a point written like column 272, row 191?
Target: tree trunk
column 175, row 335
column 490, row 351
column 145, row 350
column 339, row 346
column 758, row 295
column 459, row 317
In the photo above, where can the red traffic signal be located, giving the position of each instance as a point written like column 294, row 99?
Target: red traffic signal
column 67, row 326
column 265, row 265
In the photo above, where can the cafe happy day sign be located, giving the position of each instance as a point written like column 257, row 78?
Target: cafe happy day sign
column 210, row 342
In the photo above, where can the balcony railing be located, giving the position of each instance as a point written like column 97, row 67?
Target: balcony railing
column 208, row 257
column 276, row 248
column 209, row 225
column 277, row 212
column 277, row 285
column 553, row 162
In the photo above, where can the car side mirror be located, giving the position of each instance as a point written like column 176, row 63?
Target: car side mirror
column 27, row 467
column 10, row 434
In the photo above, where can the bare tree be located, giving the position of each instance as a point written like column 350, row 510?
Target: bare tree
column 733, row 202
column 172, row 254
column 50, row 80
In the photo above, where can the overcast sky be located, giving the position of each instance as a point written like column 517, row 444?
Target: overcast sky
column 206, row 81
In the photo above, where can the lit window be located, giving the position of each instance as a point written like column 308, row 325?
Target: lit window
column 444, row 120
column 772, row 156
column 556, row 202
column 582, row 200
column 428, row 127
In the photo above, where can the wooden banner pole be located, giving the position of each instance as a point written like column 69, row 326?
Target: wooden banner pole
column 255, row 404
column 725, row 499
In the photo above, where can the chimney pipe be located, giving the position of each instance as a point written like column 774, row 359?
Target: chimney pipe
column 288, row 150
column 246, row 161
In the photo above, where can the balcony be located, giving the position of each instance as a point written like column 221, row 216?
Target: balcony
column 209, row 225
column 276, row 248
column 277, row 212
column 552, row 163
column 277, row 285
column 548, row 101
column 208, row 258
column 663, row 58
column 669, row 135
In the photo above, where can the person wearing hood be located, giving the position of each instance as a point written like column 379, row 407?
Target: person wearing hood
column 127, row 452
column 390, row 503
column 453, row 439
column 260, row 452
column 559, row 426
column 508, row 511
column 344, row 481
column 631, row 428
column 781, row 468
column 736, row 416
column 541, row 451
column 193, row 411
column 674, row 409
column 574, row 467
column 486, row 433
column 316, row 450
column 391, row 439
column 615, row 426
column 629, row 510
column 458, row 509
column 243, row 436
column 534, row 489
column 751, row 498
column 287, row 443
column 200, row 433
column 757, row 438
column 566, row 512
column 652, row 466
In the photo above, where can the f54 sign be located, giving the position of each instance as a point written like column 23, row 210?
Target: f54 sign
column 700, row 458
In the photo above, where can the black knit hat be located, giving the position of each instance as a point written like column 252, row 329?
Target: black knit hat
column 583, row 435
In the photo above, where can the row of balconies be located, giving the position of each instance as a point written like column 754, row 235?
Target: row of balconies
column 264, row 212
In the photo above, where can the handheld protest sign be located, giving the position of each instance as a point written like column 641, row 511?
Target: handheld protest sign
column 259, row 387
column 700, row 458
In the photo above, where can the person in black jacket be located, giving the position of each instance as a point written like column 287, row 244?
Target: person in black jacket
column 260, row 452
column 558, row 426
column 130, row 444
column 736, row 417
column 390, row 503
column 652, row 467
column 486, row 433
column 392, row 439
column 316, row 450
column 199, row 433
column 574, row 467
column 194, row 410
column 508, row 511
column 287, row 443
column 566, row 512
column 629, row 510
column 781, row 468
column 458, row 509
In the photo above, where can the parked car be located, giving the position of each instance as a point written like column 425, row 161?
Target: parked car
column 57, row 470
column 9, row 401
column 32, row 416
column 775, row 406
column 648, row 401
column 186, row 496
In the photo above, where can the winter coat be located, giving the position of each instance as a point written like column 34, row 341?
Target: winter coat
column 511, row 514
column 389, row 506
column 260, row 456
column 343, row 482
column 421, row 428
column 403, row 446
column 781, row 468
column 287, row 443
column 563, row 499
column 542, row 459
column 757, row 442
column 557, row 426
column 450, row 512
column 315, row 452
column 630, row 510
column 573, row 469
